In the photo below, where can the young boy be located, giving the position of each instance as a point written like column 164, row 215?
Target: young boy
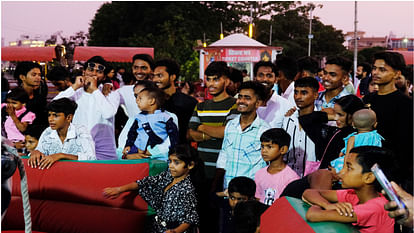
column 272, row 180
column 15, row 116
column 32, row 136
column 361, row 202
column 152, row 127
column 62, row 139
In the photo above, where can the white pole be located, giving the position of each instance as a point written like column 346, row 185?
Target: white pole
column 310, row 36
column 356, row 81
column 270, row 36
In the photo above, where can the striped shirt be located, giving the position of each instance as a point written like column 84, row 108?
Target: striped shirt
column 240, row 154
column 212, row 114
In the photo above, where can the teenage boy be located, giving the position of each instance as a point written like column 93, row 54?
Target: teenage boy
column 240, row 152
column 166, row 73
column 95, row 111
column 287, row 69
column 302, row 148
column 360, row 202
column 272, row 180
column 60, row 77
column 62, row 139
column 394, row 111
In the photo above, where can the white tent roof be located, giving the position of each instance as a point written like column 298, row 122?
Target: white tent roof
column 237, row 39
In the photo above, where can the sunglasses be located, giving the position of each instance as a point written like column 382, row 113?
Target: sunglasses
column 94, row 66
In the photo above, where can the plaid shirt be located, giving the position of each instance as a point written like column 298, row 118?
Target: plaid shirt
column 321, row 101
column 240, row 153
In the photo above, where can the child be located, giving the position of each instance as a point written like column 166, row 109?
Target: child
column 62, row 139
column 247, row 216
column 171, row 193
column 272, row 180
column 361, row 203
column 31, row 136
column 152, row 127
column 15, row 116
column 364, row 121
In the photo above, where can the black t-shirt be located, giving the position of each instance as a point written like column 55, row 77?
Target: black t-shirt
column 395, row 123
column 183, row 106
column 38, row 104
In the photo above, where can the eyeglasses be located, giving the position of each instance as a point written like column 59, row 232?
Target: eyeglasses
column 98, row 67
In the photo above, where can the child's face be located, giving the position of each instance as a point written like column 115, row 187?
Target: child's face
column 58, row 120
column 236, row 197
column 30, row 143
column 144, row 101
column 177, row 167
column 351, row 174
column 15, row 103
column 270, row 151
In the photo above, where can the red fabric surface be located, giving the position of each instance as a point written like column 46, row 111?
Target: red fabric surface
column 282, row 217
column 28, row 54
column 111, row 54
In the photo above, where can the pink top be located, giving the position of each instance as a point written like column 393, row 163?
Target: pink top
column 371, row 216
column 270, row 186
column 13, row 133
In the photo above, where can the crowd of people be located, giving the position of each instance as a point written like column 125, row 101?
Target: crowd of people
column 295, row 130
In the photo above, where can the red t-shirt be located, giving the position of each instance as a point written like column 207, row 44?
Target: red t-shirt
column 371, row 216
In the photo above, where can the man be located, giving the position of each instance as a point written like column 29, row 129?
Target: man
column 60, row 78
column 364, row 75
column 394, row 112
column 166, row 73
column 240, row 154
column 210, row 117
column 404, row 81
column 142, row 65
column 94, row 110
column 236, row 79
column 286, row 70
column 120, row 71
column 274, row 107
column 302, row 148
column 307, row 67
column 336, row 75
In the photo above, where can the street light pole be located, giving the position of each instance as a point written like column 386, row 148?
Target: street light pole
column 356, row 81
column 310, row 36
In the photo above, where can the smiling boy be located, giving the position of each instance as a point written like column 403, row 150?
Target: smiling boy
column 62, row 139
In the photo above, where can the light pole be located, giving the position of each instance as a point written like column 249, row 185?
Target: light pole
column 356, row 81
column 310, row 36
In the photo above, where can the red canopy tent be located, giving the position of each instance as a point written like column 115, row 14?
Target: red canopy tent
column 41, row 54
column 111, row 54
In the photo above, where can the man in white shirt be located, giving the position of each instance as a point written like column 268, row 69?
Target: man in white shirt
column 94, row 111
column 287, row 70
column 62, row 139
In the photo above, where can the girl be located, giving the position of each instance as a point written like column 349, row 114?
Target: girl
column 171, row 193
column 364, row 121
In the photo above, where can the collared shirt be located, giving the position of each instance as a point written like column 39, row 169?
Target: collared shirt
column 78, row 142
column 321, row 101
column 240, row 153
column 301, row 148
column 289, row 93
column 275, row 110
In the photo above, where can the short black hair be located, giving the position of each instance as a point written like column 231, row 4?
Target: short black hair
column 65, row 105
column 258, row 88
column 308, row 82
column 128, row 77
column 247, row 216
column 366, row 67
column 288, row 66
column 243, row 185
column 276, row 136
column 34, row 130
column 218, row 68
column 350, row 103
column 18, row 94
column 236, row 75
column 144, row 57
column 308, row 63
column 171, row 66
column 370, row 155
column 145, row 83
column 408, row 73
column 344, row 63
column 266, row 64
column 58, row 73
column 97, row 59
column 393, row 59
column 157, row 94
column 23, row 68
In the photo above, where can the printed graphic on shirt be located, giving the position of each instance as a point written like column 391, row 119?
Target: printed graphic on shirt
column 269, row 196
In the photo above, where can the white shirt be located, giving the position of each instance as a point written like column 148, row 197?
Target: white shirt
column 300, row 144
column 78, row 142
column 97, row 114
column 289, row 93
column 275, row 110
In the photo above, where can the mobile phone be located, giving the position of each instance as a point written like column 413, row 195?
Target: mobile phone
column 386, row 185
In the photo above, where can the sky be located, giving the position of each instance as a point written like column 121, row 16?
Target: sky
column 43, row 18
